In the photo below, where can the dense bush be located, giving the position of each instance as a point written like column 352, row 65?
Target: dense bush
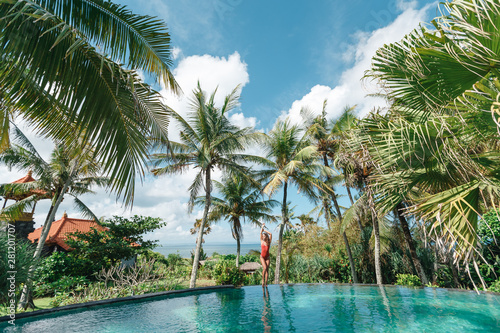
column 120, row 241
column 22, row 259
column 226, row 272
column 63, row 285
column 489, row 237
column 408, row 280
column 249, row 258
column 495, row 286
column 60, row 264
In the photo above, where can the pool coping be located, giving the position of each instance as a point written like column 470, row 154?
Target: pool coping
column 22, row 315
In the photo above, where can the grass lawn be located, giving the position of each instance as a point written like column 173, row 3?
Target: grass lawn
column 40, row 303
column 199, row 283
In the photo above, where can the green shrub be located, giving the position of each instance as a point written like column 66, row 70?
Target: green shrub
column 495, row 286
column 59, row 264
column 408, row 280
column 174, row 259
column 158, row 257
column 226, row 272
column 19, row 262
column 249, row 258
column 64, row 285
column 207, row 270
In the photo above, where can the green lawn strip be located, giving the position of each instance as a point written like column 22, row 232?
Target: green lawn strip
column 40, row 303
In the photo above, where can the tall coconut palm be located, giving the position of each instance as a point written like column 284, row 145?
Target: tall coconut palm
column 327, row 137
column 291, row 161
column 61, row 71
column 453, row 71
column 69, row 171
column 208, row 141
column 356, row 160
column 239, row 200
column 444, row 168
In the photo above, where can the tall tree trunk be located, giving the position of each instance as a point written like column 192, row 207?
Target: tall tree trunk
column 280, row 238
column 344, row 236
column 346, row 242
column 376, row 233
column 349, row 195
column 326, row 208
column 26, row 298
column 237, row 251
column 411, row 245
column 199, row 240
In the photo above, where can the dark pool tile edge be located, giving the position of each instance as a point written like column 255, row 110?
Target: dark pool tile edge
column 110, row 301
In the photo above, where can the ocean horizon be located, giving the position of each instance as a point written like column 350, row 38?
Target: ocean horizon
column 184, row 250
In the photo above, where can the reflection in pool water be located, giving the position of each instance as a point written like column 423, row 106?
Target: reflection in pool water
column 298, row 308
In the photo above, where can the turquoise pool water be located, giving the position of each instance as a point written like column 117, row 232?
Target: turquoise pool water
column 297, row 308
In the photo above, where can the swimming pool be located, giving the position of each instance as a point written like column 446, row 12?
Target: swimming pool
column 289, row 308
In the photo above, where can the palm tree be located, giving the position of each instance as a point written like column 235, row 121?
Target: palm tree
column 53, row 76
column 327, row 137
column 291, row 160
column 429, row 70
column 70, row 172
column 240, row 200
column 208, row 141
column 443, row 169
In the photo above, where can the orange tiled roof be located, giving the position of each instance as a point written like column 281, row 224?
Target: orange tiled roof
column 26, row 179
column 59, row 230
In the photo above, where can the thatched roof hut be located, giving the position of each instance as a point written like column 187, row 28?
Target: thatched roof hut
column 250, row 267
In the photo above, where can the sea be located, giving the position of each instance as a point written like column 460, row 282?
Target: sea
column 184, row 250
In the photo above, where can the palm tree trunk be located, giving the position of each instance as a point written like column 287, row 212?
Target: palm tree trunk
column 346, row 242
column 26, row 298
column 237, row 251
column 410, row 244
column 349, row 194
column 199, row 240
column 326, row 208
column 376, row 233
column 280, row 238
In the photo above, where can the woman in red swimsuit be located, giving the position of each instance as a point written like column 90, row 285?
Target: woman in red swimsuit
column 265, row 243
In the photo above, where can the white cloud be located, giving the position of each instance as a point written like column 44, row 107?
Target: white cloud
column 176, row 53
column 220, row 73
column 351, row 90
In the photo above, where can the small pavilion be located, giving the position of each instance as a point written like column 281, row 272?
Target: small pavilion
column 24, row 224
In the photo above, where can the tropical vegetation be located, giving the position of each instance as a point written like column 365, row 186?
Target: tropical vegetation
column 421, row 176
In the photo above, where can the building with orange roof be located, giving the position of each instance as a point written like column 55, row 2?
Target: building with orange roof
column 59, row 231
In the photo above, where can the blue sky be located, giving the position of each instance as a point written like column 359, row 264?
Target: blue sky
column 284, row 54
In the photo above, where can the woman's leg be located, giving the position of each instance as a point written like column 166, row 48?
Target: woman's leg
column 268, row 262
column 264, row 269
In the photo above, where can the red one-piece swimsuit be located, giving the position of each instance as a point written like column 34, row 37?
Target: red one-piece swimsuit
column 264, row 251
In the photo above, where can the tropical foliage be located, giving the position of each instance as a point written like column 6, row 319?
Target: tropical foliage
column 53, row 76
column 290, row 161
